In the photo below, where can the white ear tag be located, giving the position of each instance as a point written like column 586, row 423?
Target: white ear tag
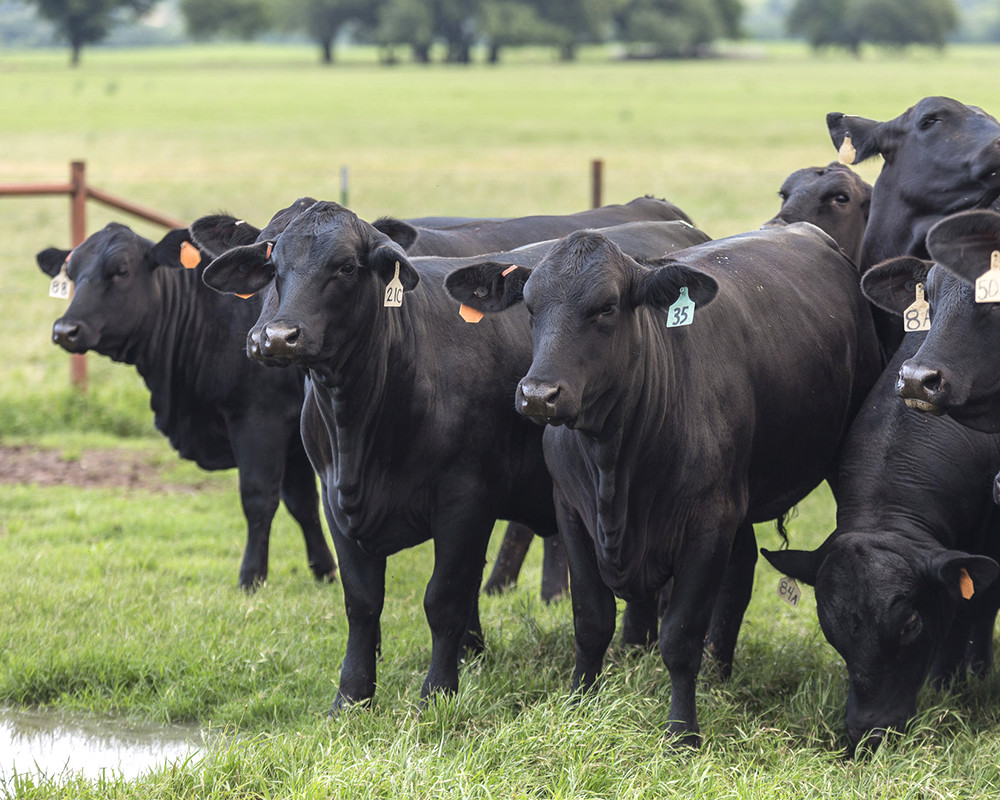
column 788, row 590
column 988, row 284
column 682, row 311
column 61, row 286
column 394, row 291
column 847, row 153
column 917, row 316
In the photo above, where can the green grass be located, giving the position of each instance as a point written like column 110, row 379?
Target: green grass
column 125, row 601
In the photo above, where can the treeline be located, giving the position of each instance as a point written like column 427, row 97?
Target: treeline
column 409, row 28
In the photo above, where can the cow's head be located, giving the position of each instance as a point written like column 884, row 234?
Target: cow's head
column 885, row 604
column 584, row 298
column 113, row 272
column 323, row 271
column 957, row 368
column 941, row 156
column 833, row 198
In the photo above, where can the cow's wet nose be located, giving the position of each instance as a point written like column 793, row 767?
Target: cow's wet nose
column 537, row 398
column 279, row 340
column 253, row 343
column 922, row 387
column 65, row 333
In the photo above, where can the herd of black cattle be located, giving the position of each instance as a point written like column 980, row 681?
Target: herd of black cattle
column 641, row 390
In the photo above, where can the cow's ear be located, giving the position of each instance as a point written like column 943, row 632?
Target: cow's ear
column 891, row 284
column 855, row 138
column 962, row 574
column 385, row 259
column 802, row 565
column 402, row 233
column 176, row 250
column 217, row 233
column 963, row 244
column 51, row 260
column 242, row 270
column 488, row 287
column 660, row 287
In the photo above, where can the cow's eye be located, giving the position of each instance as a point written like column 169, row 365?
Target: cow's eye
column 911, row 628
column 348, row 269
column 928, row 121
column 121, row 272
column 841, row 199
column 783, row 196
column 608, row 310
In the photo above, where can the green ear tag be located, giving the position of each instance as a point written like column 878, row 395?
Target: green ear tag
column 682, row 311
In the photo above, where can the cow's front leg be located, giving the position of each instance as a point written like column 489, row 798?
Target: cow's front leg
column 363, row 579
column 594, row 608
column 686, row 620
column 734, row 596
column 460, row 542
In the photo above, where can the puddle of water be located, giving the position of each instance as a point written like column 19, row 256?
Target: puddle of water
column 57, row 744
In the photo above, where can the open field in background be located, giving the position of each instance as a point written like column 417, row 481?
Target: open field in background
column 124, row 600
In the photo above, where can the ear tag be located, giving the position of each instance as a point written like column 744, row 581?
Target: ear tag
column 190, row 257
column 245, row 296
column 988, row 284
column 917, row 316
column 61, row 286
column 394, row 291
column 847, row 153
column 470, row 314
column 682, row 311
column 965, row 584
column 509, row 270
column 788, row 590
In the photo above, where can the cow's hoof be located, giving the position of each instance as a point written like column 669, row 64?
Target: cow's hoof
column 681, row 737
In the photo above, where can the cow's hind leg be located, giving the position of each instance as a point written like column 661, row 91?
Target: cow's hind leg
column 298, row 490
column 510, row 557
column 731, row 604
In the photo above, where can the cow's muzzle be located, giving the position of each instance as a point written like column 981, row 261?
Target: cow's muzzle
column 276, row 340
column 68, row 334
column 541, row 400
column 923, row 389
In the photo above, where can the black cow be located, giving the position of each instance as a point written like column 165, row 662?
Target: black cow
column 957, row 368
column 833, row 197
column 915, row 531
column 407, row 417
column 941, row 156
column 666, row 444
column 135, row 303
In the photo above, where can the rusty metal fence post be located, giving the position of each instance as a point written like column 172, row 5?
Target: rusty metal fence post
column 77, row 233
column 596, row 183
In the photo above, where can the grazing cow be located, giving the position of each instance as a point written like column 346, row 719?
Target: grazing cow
column 407, row 417
column 916, row 536
column 134, row 303
column 957, row 368
column 941, row 156
column 833, row 197
column 666, row 444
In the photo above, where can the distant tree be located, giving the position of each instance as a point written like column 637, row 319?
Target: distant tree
column 510, row 23
column 84, row 22
column 671, row 28
column 455, row 23
column 578, row 21
column 406, row 22
column 243, row 19
column 322, row 20
column 893, row 23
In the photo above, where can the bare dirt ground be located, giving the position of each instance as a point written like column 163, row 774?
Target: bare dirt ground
column 110, row 468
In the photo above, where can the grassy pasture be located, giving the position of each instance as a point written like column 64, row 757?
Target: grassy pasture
column 123, row 600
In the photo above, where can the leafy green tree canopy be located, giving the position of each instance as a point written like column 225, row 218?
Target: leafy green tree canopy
column 893, row 23
column 84, row 22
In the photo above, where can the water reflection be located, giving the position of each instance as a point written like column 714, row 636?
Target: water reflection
column 59, row 744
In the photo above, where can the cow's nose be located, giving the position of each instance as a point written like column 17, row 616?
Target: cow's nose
column 253, row 343
column 65, row 332
column 279, row 340
column 537, row 398
column 923, row 388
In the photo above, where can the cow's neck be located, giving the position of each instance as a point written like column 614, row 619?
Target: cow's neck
column 366, row 396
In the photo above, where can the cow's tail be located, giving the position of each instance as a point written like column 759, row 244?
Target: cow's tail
column 782, row 521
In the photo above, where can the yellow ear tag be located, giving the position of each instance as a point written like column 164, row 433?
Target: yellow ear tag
column 470, row 314
column 394, row 291
column 965, row 584
column 847, row 153
column 61, row 286
column 788, row 590
column 190, row 257
column 917, row 316
column 988, row 284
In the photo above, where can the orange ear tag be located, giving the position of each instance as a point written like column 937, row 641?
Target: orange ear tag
column 509, row 270
column 470, row 314
column 190, row 257
column 965, row 584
